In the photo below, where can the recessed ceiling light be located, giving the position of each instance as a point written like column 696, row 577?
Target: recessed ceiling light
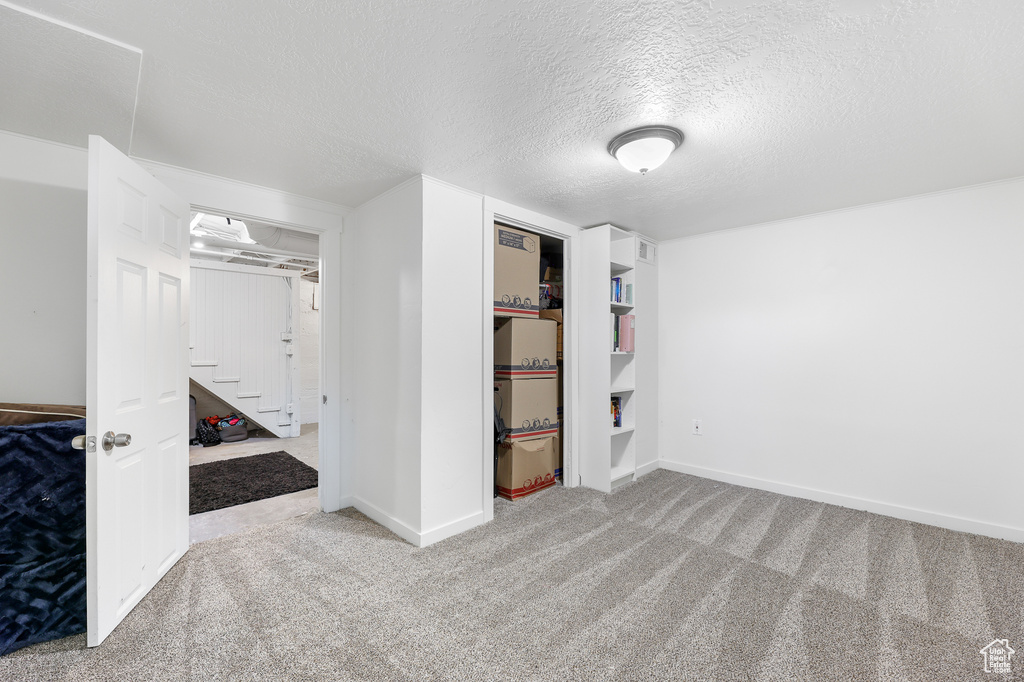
column 644, row 149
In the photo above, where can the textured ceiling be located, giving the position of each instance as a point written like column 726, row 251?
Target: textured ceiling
column 60, row 84
column 789, row 107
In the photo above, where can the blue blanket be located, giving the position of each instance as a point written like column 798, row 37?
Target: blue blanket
column 42, row 533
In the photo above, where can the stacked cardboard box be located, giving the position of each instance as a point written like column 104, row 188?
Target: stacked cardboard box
column 556, row 315
column 525, row 467
column 526, row 394
column 516, row 262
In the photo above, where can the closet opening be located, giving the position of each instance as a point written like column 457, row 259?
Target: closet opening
column 530, row 318
column 254, row 375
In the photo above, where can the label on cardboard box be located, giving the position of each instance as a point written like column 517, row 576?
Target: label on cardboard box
column 525, row 467
column 528, row 407
column 525, row 349
column 516, row 270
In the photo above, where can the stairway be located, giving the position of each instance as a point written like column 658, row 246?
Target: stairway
column 241, row 348
column 275, row 418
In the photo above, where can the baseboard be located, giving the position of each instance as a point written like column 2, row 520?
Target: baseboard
column 335, row 504
column 411, row 536
column 900, row 512
column 383, row 518
column 453, row 528
column 645, row 469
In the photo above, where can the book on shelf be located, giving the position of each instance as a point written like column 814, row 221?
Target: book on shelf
column 625, row 325
column 629, row 294
column 616, row 411
column 616, row 289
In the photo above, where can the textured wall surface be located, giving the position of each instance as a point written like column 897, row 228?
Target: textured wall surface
column 789, row 107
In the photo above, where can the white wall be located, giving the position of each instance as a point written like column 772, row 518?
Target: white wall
column 414, row 261
column 42, row 271
column 648, row 374
column 452, row 465
column 382, row 250
column 872, row 357
column 309, row 352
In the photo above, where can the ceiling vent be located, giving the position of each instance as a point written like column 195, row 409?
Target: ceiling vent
column 645, row 251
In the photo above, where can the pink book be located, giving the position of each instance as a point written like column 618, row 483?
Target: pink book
column 627, row 324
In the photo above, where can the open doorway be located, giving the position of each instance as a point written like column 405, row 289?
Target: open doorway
column 529, row 401
column 254, row 374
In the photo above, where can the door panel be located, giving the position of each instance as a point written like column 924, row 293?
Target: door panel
column 137, row 384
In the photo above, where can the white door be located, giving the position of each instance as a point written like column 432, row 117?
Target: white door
column 136, row 385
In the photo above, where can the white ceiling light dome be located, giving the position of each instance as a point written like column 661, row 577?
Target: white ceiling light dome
column 644, row 149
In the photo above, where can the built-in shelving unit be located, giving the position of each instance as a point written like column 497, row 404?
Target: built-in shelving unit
column 608, row 452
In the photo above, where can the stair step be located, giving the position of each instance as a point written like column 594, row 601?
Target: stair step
column 226, row 380
column 205, row 363
column 249, row 395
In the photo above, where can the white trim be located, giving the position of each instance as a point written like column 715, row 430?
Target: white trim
column 241, row 267
column 246, row 201
column 394, row 525
column 406, row 532
column 448, row 185
column 72, row 27
column 874, row 506
column 451, row 528
column 645, row 469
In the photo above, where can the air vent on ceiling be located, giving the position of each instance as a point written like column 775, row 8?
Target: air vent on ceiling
column 645, row 251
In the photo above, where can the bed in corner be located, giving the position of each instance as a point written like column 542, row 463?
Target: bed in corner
column 42, row 524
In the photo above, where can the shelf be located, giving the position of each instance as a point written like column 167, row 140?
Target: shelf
column 621, row 389
column 621, row 307
column 619, row 268
column 620, row 430
column 621, row 472
column 622, row 352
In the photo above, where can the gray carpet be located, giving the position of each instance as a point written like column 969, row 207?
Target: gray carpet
column 670, row 578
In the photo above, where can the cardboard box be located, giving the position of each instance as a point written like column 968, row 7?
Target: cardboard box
column 525, row 349
column 556, row 315
column 528, row 407
column 525, row 467
column 516, row 270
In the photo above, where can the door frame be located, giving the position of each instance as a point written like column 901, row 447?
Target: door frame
column 328, row 458
column 274, row 207
column 509, row 214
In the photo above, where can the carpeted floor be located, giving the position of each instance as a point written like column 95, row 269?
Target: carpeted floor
column 230, row 482
column 670, row 578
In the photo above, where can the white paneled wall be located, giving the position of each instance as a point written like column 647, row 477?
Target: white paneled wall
column 244, row 342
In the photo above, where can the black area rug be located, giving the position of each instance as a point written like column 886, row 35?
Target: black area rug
column 216, row 485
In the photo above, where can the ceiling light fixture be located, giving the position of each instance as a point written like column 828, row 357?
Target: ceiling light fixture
column 644, row 149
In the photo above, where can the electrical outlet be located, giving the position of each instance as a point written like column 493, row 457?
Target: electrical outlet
column 698, row 430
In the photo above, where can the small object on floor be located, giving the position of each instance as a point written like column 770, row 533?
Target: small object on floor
column 231, row 482
column 233, row 434
column 206, row 434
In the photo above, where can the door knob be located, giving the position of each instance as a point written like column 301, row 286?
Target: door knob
column 83, row 442
column 110, row 441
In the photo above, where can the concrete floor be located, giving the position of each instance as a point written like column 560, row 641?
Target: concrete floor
column 214, row 524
